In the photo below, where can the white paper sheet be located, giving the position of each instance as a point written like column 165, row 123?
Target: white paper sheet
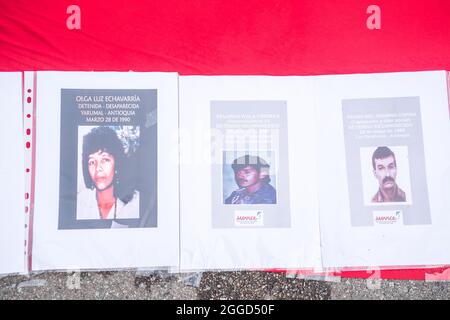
column 414, row 230
column 12, row 215
column 59, row 243
column 209, row 239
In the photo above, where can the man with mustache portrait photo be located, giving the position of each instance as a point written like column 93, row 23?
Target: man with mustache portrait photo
column 385, row 171
column 110, row 193
column 251, row 174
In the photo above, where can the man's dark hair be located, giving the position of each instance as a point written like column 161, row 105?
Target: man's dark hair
column 255, row 162
column 105, row 139
column 382, row 153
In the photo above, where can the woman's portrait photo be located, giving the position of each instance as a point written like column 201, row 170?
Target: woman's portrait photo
column 106, row 182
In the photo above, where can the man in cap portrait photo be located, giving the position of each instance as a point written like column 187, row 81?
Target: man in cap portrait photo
column 252, row 176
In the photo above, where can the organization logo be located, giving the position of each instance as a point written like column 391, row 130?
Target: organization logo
column 248, row 218
column 388, row 217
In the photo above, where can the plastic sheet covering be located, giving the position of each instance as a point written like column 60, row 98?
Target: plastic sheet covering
column 229, row 37
column 384, row 170
column 225, row 37
column 246, row 117
column 248, row 207
column 362, row 114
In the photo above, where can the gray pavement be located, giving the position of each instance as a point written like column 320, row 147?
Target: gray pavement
column 210, row 285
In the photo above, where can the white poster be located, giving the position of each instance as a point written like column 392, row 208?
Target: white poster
column 106, row 193
column 247, row 173
column 12, row 173
column 384, row 178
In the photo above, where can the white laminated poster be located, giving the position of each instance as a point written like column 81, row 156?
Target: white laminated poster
column 106, row 185
column 247, row 173
column 384, row 169
column 12, row 169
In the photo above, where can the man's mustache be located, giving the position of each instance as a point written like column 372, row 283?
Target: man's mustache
column 388, row 179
